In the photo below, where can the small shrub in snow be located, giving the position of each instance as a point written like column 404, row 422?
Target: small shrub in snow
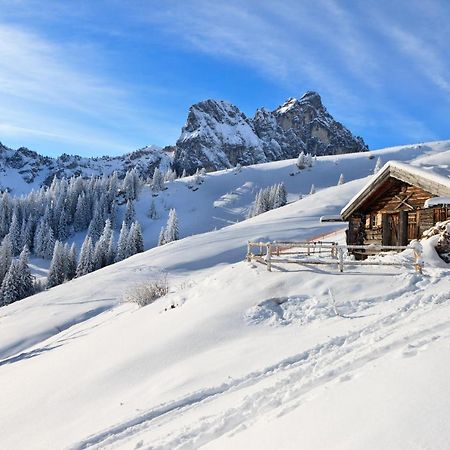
column 146, row 293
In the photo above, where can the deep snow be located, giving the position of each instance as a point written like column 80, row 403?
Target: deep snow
column 229, row 366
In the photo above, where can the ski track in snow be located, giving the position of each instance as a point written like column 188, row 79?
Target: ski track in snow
column 283, row 386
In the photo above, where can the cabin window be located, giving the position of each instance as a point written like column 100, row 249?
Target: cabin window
column 374, row 220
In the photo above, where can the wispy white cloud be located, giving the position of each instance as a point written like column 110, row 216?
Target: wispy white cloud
column 343, row 50
column 58, row 92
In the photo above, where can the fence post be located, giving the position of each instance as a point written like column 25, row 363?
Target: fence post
column 269, row 257
column 341, row 259
column 418, row 260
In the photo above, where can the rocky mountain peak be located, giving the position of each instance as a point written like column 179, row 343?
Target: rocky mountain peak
column 218, row 135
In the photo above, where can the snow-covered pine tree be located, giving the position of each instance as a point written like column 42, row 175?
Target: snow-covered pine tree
column 11, row 285
column 136, row 239
column 57, row 271
column 121, row 252
column 184, row 174
column 82, row 213
column 26, row 231
column 5, row 256
column 14, row 233
column 96, row 225
column 5, row 214
column 161, row 238
column 378, row 165
column 85, row 263
column 279, row 195
column 26, row 279
column 341, row 179
column 171, row 232
column 313, row 190
column 71, row 263
column 301, row 160
column 131, row 243
column 130, row 214
column 157, row 181
column 102, row 247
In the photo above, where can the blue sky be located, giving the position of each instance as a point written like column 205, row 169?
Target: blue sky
column 110, row 76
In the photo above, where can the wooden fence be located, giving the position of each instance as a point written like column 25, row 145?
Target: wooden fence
column 322, row 252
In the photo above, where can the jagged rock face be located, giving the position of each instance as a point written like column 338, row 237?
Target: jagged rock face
column 311, row 123
column 217, row 135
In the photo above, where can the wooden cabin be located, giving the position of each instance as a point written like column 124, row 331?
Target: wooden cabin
column 396, row 206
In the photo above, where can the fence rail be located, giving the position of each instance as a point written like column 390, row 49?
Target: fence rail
column 332, row 253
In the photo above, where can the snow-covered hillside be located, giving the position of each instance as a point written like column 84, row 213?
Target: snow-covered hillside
column 235, row 356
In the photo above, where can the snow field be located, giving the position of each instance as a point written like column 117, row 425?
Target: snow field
column 246, row 358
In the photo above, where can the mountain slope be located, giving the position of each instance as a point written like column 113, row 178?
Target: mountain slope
column 226, row 367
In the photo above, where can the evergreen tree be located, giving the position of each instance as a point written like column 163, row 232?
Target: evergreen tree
column 57, row 271
column 157, row 181
column 301, row 160
column 341, row 180
column 102, row 247
column 71, row 263
column 26, row 279
column 121, row 252
column 184, row 174
column 313, row 190
column 96, row 225
column 135, row 239
column 161, row 238
column 14, row 233
column 82, row 215
column 86, row 264
column 131, row 243
column 5, row 256
column 48, row 243
column 130, row 214
column 279, row 196
column 171, row 232
column 11, row 285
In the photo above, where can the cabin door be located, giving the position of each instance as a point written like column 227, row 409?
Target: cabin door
column 395, row 228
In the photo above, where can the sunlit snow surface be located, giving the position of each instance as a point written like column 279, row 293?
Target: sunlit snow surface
column 246, row 358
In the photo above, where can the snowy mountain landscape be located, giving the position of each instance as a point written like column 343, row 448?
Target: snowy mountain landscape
column 234, row 356
column 217, row 135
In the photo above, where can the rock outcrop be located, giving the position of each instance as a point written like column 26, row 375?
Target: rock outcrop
column 218, row 135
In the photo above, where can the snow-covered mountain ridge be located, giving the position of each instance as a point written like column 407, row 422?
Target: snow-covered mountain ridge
column 23, row 169
column 217, row 135
column 246, row 358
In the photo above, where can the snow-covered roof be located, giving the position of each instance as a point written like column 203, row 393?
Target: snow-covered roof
column 437, row 201
column 427, row 180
